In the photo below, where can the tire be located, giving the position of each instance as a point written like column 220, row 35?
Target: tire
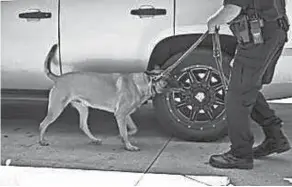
column 174, row 114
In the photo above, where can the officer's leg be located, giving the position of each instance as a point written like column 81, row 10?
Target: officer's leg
column 250, row 64
column 262, row 113
column 241, row 95
column 275, row 140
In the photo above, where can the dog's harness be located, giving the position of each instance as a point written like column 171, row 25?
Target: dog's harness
column 150, row 76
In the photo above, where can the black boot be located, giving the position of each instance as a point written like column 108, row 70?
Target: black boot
column 275, row 142
column 228, row 161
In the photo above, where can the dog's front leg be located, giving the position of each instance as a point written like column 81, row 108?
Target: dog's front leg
column 121, row 120
column 131, row 125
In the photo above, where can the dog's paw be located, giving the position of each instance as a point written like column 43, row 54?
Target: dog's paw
column 43, row 143
column 132, row 148
column 96, row 142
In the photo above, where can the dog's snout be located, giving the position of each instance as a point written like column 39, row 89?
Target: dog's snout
column 172, row 83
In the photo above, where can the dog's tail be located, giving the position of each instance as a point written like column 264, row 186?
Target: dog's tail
column 48, row 61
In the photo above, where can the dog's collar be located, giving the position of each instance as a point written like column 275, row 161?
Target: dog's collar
column 152, row 88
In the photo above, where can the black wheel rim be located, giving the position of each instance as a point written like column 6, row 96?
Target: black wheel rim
column 201, row 105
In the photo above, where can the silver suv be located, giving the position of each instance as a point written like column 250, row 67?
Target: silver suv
column 126, row 36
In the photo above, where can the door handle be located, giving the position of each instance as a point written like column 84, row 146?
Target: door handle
column 35, row 14
column 148, row 11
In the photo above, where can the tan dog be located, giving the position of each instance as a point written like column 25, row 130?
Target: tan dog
column 120, row 94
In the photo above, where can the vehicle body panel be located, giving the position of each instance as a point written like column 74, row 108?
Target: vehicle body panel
column 103, row 36
column 107, row 37
column 24, row 44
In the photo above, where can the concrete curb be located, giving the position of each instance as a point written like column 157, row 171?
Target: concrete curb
column 31, row 176
column 284, row 101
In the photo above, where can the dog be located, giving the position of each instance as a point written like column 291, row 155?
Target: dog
column 120, row 94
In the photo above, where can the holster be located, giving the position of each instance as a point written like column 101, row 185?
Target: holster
column 247, row 30
column 240, row 29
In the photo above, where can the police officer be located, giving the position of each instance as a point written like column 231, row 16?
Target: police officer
column 256, row 56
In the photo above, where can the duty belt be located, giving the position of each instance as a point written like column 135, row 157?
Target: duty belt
column 279, row 23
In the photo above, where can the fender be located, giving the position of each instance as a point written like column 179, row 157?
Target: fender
column 184, row 38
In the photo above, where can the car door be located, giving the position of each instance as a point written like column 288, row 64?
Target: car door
column 28, row 30
column 111, row 35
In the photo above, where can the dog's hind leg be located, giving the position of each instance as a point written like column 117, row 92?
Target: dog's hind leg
column 83, row 117
column 55, row 108
column 121, row 120
column 131, row 125
column 50, row 118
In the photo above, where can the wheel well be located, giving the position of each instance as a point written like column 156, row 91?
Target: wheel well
column 175, row 44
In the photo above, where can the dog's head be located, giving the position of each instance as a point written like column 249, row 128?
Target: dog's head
column 157, row 86
column 163, row 84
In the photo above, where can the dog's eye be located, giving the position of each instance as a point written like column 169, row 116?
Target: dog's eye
column 164, row 83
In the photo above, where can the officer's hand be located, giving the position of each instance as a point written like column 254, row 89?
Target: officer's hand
column 212, row 25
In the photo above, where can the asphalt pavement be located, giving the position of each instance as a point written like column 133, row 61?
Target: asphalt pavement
column 160, row 153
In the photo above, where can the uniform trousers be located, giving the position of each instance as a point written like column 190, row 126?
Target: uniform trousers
column 254, row 66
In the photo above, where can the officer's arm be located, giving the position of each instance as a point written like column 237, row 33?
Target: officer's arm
column 224, row 15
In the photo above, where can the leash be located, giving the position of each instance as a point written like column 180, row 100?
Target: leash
column 217, row 54
column 166, row 73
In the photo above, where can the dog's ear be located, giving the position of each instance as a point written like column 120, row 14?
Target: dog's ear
column 173, row 83
column 154, row 71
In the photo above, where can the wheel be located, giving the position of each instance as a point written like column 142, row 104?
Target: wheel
column 198, row 113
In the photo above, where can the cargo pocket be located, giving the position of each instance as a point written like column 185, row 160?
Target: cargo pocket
column 245, row 82
column 251, row 82
column 247, row 78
